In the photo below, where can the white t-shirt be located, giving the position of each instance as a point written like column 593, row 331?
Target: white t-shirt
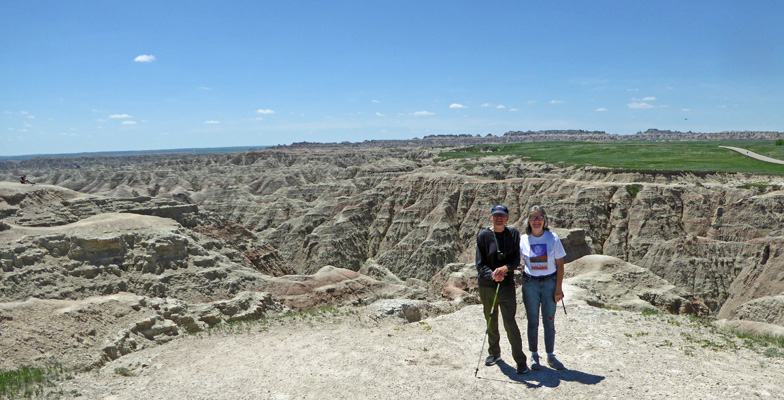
column 540, row 253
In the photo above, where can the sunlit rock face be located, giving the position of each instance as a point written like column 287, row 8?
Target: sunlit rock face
column 414, row 213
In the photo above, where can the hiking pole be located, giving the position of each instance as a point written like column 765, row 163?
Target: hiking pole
column 489, row 319
column 564, row 306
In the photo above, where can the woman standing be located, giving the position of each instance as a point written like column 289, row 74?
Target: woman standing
column 543, row 274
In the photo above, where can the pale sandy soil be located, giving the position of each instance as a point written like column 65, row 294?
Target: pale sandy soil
column 609, row 354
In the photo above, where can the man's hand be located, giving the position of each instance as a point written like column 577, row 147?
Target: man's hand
column 558, row 295
column 500, row 273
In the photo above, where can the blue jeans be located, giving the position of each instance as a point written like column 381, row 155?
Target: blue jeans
column 538, row 294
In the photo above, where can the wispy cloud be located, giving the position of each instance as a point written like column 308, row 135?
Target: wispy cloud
column 213, row 122
column 533, row 101
column 632, row 90
column 265, row 111
column 375, row 101
column 378, row 114
column 456, row 106
column 513, row 110
column 556, row 101
column 645, row 99
column 601, row 109
column 129, row 122
column 204, row 88
column 423, row 113
column 486, row 105
column 685, row 109
column 501, row 107
column 145, row 58
column 638, row 105
column 120, row 116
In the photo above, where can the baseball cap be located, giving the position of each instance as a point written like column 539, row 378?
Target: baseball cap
column 499, row 209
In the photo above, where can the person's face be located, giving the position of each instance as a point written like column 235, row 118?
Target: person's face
column 499, row 219
column 536, row 220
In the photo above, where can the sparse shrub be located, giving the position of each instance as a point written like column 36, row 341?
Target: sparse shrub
column 780, row 142
column 632, row 190
column 122, row 371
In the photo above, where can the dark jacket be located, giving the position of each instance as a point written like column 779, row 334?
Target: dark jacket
column 487, row 255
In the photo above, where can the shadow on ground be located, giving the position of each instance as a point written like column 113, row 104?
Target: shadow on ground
column 545, row 377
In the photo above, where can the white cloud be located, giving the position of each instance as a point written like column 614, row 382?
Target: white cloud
column 601, row 109
column 145, row 58
column 212, row 122
column 636, row 105
column 645, row 99
column 632, row 90
column 129, row 122
column 455, row 105
column 423, row 113
column 263, row 111
column 378, row 114
column 513, row 109
column 120, row 116
column 685, row 109
column 501, row 107
column 375, row 101
column 556, row 101
column 486, row 105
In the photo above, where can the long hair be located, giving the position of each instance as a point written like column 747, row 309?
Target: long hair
column 534, row 209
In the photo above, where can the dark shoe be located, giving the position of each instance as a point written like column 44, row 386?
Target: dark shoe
column 491, row 360
column 522, row 369
column 535, row 363
column 553, row 362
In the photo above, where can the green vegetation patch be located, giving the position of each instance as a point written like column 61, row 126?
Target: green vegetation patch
column 28, row 382
column 702, row 156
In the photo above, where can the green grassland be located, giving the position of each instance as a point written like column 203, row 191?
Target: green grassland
column 640, row 155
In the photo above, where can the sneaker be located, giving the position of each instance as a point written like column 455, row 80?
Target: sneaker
column 553, row 362
column 491, row 360
column 535, row 363
column 522, row 369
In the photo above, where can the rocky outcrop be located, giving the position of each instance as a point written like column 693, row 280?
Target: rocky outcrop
column 611, row 282
column 82, row 334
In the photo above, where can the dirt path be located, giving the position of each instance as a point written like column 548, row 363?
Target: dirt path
column 609, row 354
column 754, row 155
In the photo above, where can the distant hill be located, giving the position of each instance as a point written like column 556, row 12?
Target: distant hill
column 130, row 153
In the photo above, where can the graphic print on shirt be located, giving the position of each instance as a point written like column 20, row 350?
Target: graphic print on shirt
column 538, row 256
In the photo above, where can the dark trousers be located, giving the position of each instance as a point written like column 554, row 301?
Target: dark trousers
column 507, row 303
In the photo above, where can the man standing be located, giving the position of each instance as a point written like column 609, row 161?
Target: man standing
column 497, row 257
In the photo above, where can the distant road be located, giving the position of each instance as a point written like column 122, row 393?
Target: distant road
column 754, row 155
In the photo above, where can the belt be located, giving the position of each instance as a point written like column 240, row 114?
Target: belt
column 540, row 278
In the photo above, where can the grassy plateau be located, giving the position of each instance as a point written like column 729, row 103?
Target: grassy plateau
column 704, row 156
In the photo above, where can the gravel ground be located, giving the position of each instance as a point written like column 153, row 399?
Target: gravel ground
column 349, row 355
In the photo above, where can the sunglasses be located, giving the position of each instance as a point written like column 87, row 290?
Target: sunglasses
column 536, row 218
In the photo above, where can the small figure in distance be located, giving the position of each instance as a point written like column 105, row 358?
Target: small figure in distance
column 23, row 180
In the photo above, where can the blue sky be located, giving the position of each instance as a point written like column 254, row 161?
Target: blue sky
column 108, row 75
